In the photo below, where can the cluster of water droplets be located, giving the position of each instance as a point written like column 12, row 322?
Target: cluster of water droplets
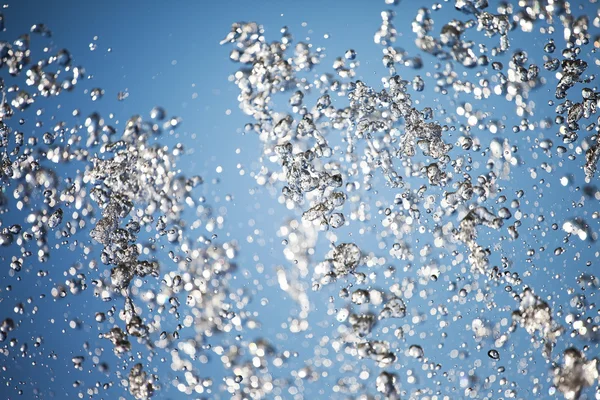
column 352, row 160
column 381, row 130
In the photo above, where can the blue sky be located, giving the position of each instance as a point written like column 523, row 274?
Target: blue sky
column 169, row 56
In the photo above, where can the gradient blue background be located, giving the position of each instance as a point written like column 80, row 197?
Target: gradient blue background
column 145, row 38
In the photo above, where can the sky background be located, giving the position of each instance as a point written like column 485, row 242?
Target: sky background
column 168, row 54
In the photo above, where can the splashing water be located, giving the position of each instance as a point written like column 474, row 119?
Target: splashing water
column 428, row 249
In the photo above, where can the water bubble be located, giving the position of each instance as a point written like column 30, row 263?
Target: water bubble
column 494, row 354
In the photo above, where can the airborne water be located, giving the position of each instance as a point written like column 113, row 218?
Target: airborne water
column 357, row 200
